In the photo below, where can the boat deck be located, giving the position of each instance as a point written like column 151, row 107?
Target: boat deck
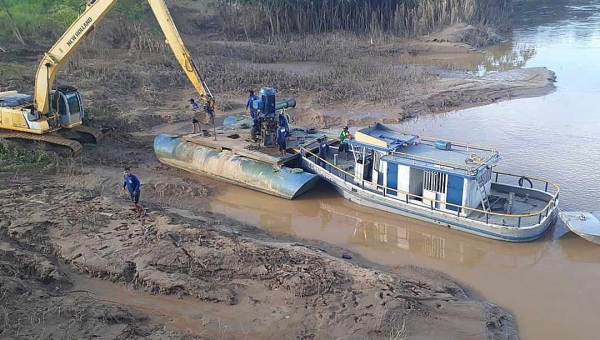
column 236, row 138
column 583, row 223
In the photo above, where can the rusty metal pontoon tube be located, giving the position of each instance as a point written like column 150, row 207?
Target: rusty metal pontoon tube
column 287, row 183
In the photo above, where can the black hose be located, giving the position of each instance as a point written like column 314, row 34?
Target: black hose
column 523, row 178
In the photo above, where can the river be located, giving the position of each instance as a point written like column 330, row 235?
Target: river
column 552, row 286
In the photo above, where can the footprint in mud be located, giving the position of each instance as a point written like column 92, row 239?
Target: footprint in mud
column 129, row 271
column 171, row 190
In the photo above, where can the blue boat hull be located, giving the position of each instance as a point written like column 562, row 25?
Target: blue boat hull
column 287, row 183
column 373, row 199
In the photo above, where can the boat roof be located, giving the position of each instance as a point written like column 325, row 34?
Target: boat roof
column 383, row 138
column 421, row 152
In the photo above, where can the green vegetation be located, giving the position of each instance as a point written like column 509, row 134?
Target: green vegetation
column 28, row 21
column 14, row 158
column 11, row 70
column 25, row 19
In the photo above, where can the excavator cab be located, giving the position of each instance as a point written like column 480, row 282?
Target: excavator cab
column 66, row 101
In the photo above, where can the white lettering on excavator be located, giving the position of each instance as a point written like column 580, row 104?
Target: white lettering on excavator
column 80, row 30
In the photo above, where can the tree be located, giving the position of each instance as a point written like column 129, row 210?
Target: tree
column 14, row 24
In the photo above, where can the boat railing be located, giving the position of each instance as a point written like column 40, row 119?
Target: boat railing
column 469, row 169
column 466, row 146
column 517, row 219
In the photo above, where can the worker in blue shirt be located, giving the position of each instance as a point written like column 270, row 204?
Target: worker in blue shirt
column 281, row 136
column 132, row 184
column 284, row 121
column 251, row 99
column 323, row 152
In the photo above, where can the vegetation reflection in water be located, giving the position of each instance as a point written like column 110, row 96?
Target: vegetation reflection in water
column 322, row 213
column 385, row 234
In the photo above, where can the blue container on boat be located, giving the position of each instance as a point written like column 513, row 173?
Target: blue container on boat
column 443, row 145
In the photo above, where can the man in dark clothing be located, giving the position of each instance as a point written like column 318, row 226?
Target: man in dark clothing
column 281, row 136
column 284, row 121
column 132, row 184
column 194, row 106
column 323, row 151
column 251, row 99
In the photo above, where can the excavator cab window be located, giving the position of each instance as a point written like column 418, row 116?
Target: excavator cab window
column 74, row 104
column 62, row 107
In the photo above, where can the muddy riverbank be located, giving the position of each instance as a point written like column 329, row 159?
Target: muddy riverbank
column 234, row 281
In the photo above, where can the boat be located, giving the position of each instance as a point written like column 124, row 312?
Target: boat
column 238, row 153
column 584, row 224
column 448, row 183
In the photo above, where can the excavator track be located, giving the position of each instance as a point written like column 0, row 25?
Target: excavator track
column 56, row 143
column 88, row 133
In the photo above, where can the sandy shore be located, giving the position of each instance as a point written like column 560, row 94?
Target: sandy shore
column 202, row 275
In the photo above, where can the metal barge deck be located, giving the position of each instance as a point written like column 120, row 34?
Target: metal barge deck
column 236, row 159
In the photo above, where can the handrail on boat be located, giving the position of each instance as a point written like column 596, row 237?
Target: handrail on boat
column 464, row 167
column 546, row 209
column 463, row 144
column 461, row 166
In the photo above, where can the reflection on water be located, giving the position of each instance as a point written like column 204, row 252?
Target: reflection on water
column 324, row 215
column 508, row 55
column 524, row 278
column 371, row 232
column 505, row 56
column 538, row 23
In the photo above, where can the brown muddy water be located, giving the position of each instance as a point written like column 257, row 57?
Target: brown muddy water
column 189, row 316
column 552, row 285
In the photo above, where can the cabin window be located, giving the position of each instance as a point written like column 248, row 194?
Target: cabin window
column 435, row 181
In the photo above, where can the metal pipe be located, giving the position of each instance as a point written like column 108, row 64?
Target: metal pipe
column 511, row 199
column 284, row 104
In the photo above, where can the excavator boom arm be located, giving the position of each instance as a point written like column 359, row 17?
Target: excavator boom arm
column 161, row 12
column 64, row 47
column 95, row 11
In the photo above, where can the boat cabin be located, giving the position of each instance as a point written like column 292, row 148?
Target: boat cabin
column 439, row 174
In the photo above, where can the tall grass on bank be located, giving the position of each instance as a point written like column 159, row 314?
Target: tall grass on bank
column 47, row 19
column 344, row 71
column 275, row 18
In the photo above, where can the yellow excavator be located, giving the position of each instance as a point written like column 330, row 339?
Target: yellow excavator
column 53, row 116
